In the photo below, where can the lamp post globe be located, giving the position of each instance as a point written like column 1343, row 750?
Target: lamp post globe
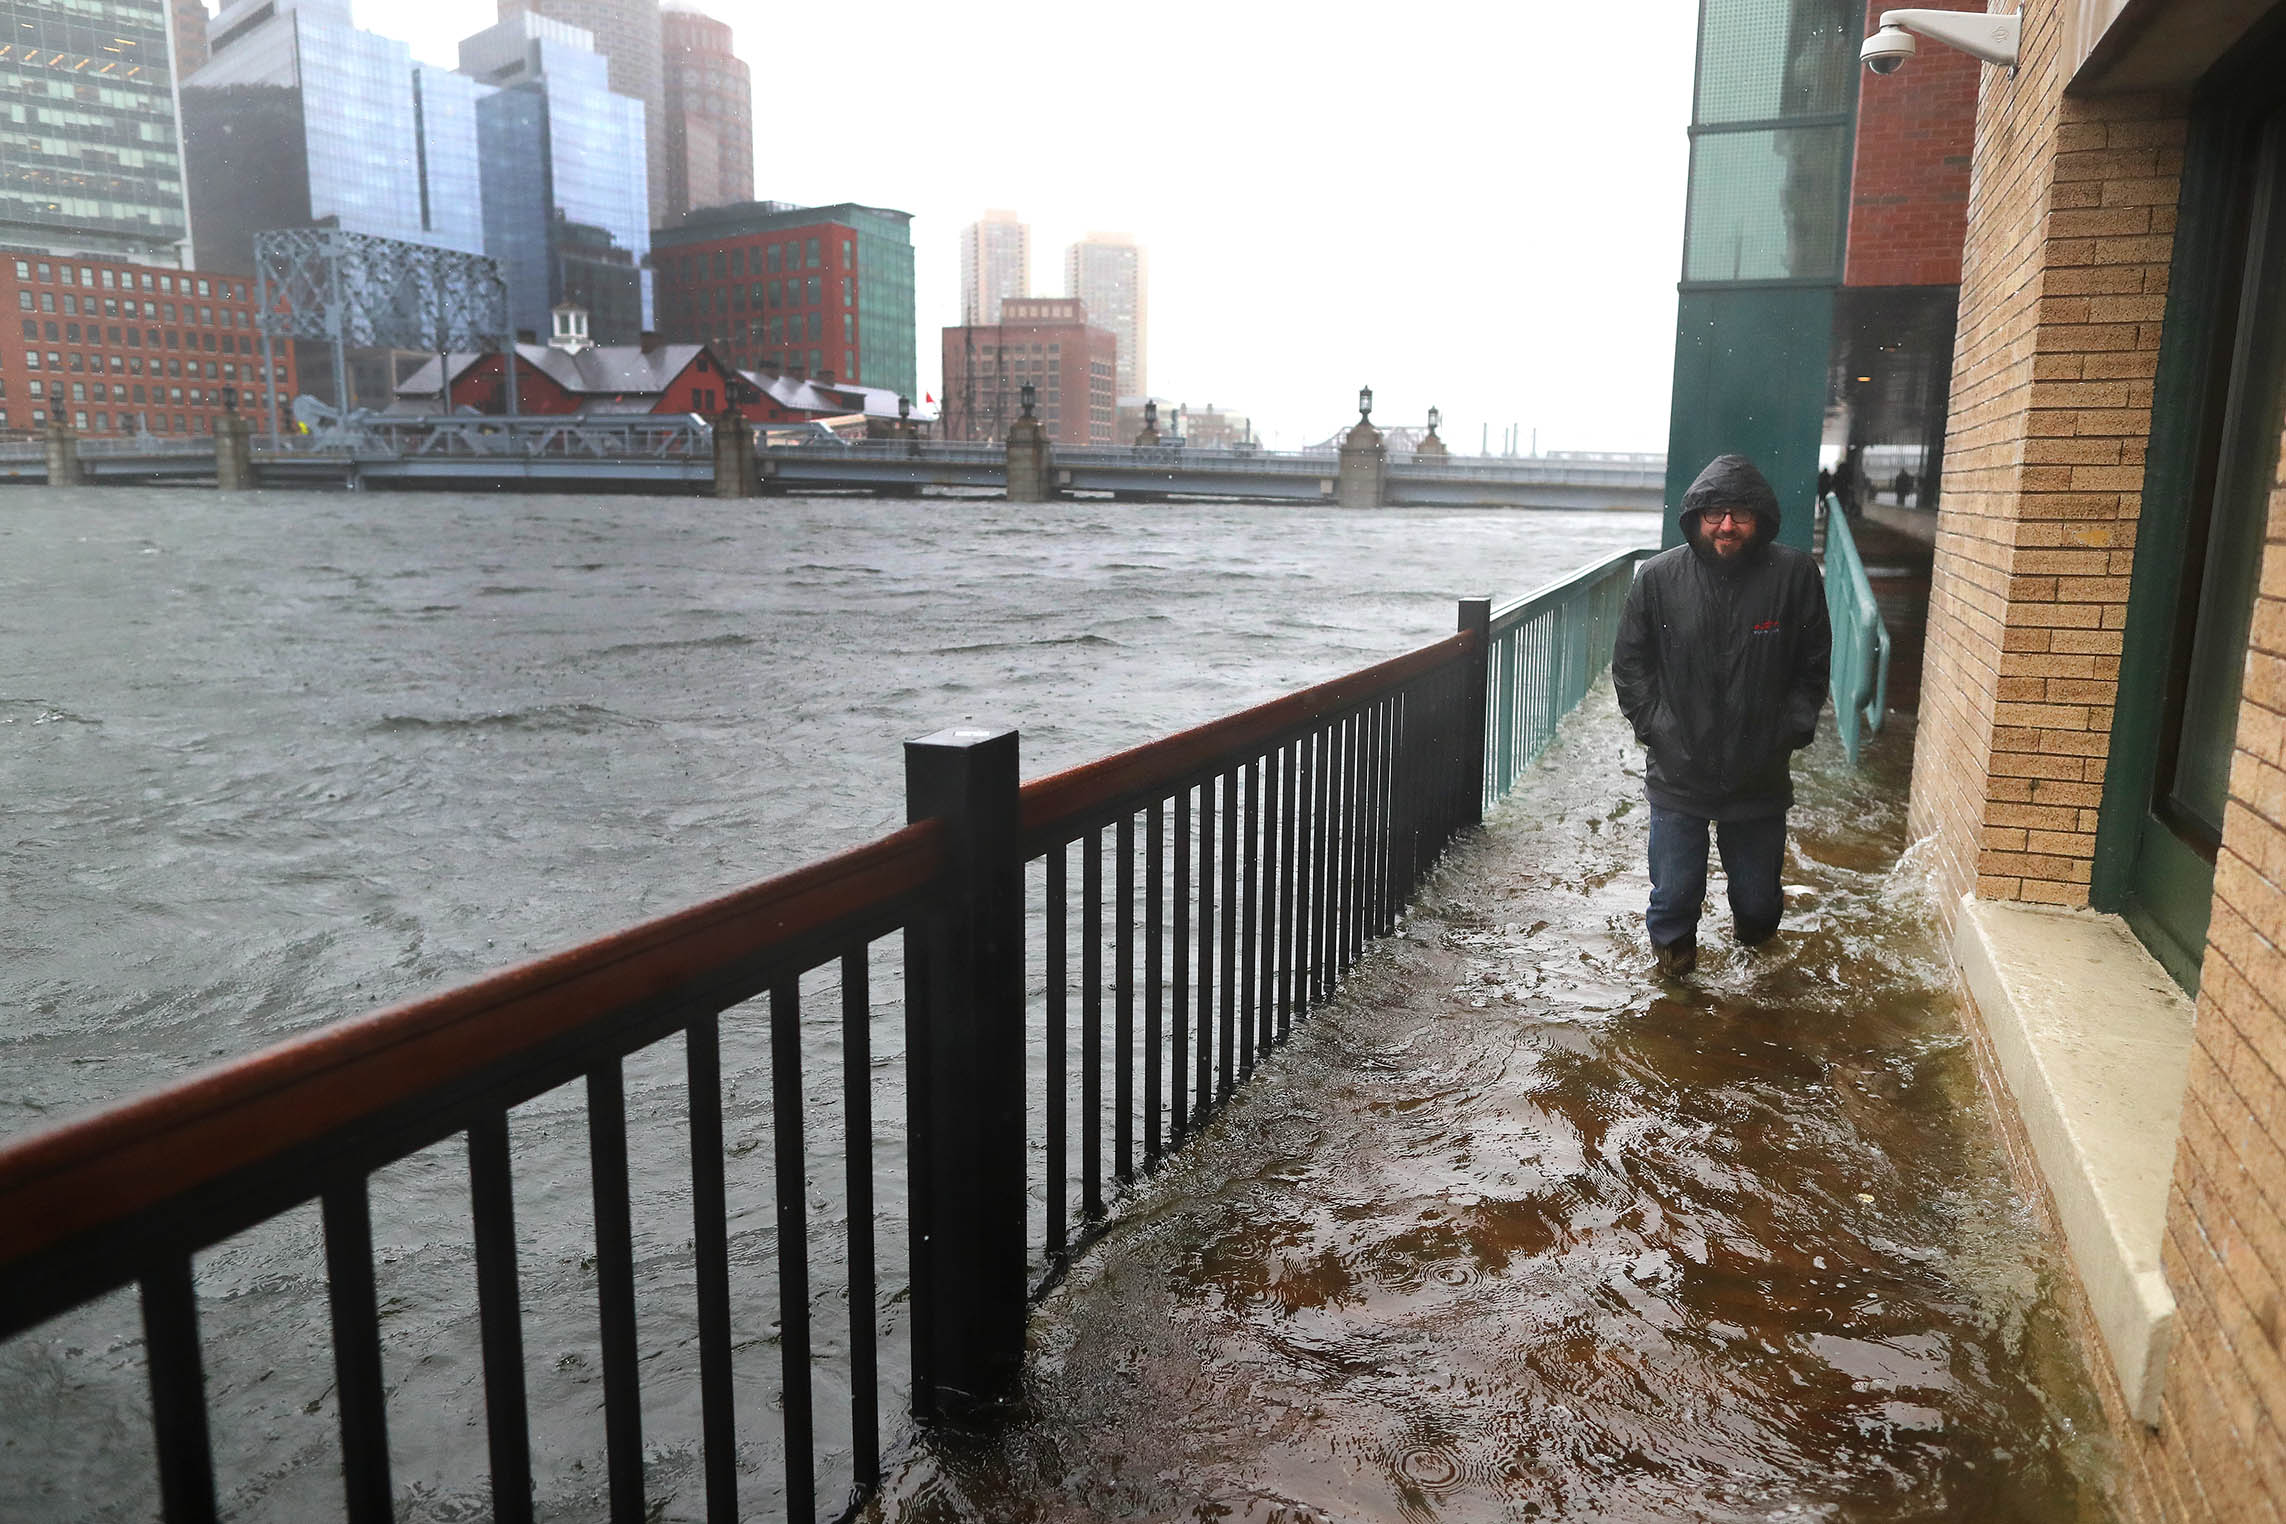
column 1365, row 402
column 1436, row 417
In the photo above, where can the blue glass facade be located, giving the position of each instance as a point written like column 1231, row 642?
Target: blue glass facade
column 566, row 187
column 384, row 146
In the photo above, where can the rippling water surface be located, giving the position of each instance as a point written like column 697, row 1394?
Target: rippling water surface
column 275, row 759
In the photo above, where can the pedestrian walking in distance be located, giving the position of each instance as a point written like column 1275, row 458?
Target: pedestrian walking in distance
column 1721, row 668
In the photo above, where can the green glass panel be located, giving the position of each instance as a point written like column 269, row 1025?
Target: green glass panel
column 1767, row 205
column 1760, row 59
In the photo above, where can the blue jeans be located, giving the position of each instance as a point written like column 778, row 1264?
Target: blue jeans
column 1753, row 852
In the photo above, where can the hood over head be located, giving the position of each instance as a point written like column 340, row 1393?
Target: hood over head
column 1730, row 481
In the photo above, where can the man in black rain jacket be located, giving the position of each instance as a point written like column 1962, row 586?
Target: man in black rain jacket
column 1721, row 668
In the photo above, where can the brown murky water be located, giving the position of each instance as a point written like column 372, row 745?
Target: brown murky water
column 1514, row 1231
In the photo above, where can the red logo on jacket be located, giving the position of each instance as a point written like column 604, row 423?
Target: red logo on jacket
column 1767, row 627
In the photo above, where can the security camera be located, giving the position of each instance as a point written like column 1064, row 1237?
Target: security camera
column 1991, row 38
column 1885, row 51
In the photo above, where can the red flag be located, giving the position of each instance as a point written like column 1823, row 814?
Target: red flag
column 925, row 397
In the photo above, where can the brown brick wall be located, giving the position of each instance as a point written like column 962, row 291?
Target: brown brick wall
column 2063, row 288
column 2064, row 278
column 2222, row 1443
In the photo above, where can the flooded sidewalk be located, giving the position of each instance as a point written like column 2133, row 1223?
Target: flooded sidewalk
column 1513, row 1229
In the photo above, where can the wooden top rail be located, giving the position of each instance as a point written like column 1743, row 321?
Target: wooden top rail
column 1051, row 807
column 1509, row 615
column 95, row 1172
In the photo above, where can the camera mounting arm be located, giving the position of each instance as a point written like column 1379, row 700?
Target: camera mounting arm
column 1991, row 38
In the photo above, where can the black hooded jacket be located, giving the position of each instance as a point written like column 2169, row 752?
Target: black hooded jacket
column 1721, row 665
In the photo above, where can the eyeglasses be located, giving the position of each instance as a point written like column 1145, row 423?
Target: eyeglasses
column 1742, row 517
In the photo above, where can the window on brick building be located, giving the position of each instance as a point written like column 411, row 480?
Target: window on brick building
column 2213, row 458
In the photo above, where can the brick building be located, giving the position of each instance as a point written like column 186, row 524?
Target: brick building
column 606, row 379
column 2101, row 762
column 1046, row 341
column 116, row 348
column 822, row 291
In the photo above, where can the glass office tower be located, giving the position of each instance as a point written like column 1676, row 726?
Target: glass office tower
column 90, row 149
column 566, row 185
column 299, row 117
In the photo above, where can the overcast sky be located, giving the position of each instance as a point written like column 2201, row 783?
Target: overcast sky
column 1473, row 206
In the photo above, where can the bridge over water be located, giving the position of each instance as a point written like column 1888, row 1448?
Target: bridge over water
column 677, row 454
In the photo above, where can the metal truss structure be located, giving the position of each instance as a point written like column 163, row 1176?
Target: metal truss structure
column 357, row 290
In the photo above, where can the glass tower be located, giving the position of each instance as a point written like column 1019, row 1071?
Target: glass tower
column 90, row 147
column 566, row 187
column 299, row 117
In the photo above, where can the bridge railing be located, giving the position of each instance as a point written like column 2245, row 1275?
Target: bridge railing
column 1245, row 866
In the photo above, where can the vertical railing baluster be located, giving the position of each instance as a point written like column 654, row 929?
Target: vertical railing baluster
column 1179, row 964
column 1058, row 1184
column 1376, row 818
column 500, row 1318
column 615, row 1289
column 792, row 1202
column 1205, row 1055
column 1250, row 846
column 1296, row 930
column 356, row 1316
column 1405, row 785
column 178, row 1392
column 710, row 1256
column 1321, row 853
column 1091, row 1023
column 1154, row 894
column 1352, row 837
column 1266, row 1001
column 1123, row 1007
column 1226, row 993
column 857, row 1195
column 1386, row 877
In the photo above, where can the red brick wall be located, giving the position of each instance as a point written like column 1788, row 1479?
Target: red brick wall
column 735, row 313
column 111, row 350
column 1075, row 380
column 1909, row 187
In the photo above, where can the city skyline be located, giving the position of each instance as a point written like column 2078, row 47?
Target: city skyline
column 1491, row 266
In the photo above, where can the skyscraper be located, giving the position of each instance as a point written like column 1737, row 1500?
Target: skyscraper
column 709, row 114
column 1106, row 272
column 300, row 117
column 995, row 264
column 190, row 20
column 565, row 194
column 90, row 144
column 627, row 34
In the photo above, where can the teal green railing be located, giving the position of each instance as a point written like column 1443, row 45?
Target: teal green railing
column 1860, row 678
column 1547, row 649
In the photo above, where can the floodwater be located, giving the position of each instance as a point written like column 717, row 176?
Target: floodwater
column 275, row 759
column 1514, row 1230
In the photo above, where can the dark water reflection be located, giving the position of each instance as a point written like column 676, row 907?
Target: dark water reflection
column 1514, row 1231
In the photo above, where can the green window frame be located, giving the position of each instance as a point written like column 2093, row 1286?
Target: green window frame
column 2208, row 472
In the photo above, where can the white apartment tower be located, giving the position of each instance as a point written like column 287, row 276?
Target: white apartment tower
column 995, row 264
column 1106, row 272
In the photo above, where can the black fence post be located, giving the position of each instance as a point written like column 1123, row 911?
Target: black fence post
column 1475, row 614
column 967, row 1084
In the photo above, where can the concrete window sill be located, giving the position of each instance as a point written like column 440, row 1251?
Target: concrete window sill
column 2094, row 1042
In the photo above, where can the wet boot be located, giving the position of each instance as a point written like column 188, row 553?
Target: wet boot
column 1754, row 933
column 1678, row 957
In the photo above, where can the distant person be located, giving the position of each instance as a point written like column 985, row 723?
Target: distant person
column 1903, row 486
column 1825, row 485
column 1721, row 668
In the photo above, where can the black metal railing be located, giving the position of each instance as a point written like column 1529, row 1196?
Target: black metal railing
column 1249, row 864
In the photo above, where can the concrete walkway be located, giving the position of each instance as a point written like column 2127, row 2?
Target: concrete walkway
column 1512, row 1230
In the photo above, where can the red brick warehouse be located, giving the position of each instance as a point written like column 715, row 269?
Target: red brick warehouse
column 115, row 348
